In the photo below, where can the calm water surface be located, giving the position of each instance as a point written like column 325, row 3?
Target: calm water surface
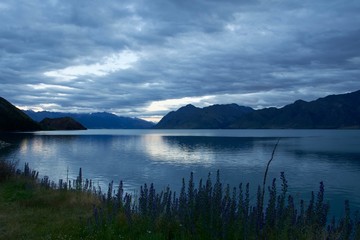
column 164, row 157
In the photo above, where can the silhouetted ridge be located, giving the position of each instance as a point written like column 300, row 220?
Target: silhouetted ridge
column 64, row 123
column 13, row 119
column 212, row 117
column 331, row 112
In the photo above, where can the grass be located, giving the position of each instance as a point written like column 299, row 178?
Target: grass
column 38, row 209
column 31, row 211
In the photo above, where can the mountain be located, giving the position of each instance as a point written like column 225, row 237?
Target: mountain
column 102, row 120
column 13, row 119
column 212, row 117
column 331, row 112
column 63, row 123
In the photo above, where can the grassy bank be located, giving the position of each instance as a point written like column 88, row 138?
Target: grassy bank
column 29, row 210
column 32, row 208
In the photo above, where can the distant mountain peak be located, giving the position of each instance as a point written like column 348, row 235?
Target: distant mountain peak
column 188, row 106
column 97, row 120
column 300, row 101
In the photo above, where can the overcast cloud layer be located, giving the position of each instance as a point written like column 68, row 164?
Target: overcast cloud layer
column 145, row 58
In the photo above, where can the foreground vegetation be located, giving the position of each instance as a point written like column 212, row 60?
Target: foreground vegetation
column 39, row 209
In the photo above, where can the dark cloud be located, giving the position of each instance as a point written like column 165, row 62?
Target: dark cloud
column 141, row 58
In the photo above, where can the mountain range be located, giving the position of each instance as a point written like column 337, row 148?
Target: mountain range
column 331, row 112
column 100, row 120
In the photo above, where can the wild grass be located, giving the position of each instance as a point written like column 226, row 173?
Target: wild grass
column 208, row 209
column 7, row 169
column 216, row 211
column 29, row 210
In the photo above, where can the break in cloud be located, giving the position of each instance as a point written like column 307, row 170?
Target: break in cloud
column 144, row 58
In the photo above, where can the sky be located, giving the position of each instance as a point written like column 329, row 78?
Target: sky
column 143, row 58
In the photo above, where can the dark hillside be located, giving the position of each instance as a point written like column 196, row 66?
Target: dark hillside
column 65, row 123
column 212, row 117
column 13, row 119
column 331, row 112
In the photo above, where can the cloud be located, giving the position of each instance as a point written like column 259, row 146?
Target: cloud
column 168, row 104
column 143, row 59
column 107, row 65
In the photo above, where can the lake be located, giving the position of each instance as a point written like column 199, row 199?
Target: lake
column 164, row 157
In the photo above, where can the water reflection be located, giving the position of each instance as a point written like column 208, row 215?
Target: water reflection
column 177, row 151
column 306, row 157
column 208, row 151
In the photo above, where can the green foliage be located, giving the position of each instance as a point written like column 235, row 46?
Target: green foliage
column 7, row 169
column 212, row 211
column 201, row 211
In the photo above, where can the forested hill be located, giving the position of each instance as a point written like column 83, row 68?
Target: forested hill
column 331, row 112
column 212, row 117
column 13, row 119
column 63, row 123
column 101, row 120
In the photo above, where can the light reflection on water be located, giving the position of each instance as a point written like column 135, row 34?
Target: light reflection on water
column 165, row 157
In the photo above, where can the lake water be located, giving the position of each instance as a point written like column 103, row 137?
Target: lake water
column 164, row 157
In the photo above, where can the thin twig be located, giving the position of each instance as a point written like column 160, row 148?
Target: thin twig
column 266, row 171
